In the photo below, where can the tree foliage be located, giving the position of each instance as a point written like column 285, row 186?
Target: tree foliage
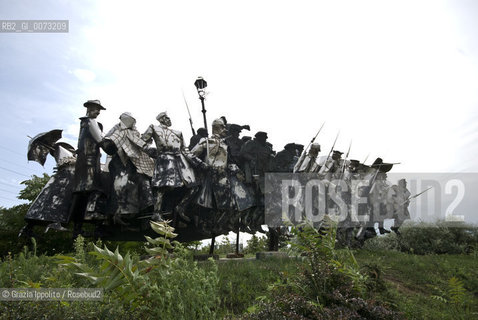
column 167, row 285
column 12, row 221
column 33, row 187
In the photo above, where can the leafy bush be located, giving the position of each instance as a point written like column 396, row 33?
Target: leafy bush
column 168, row 285
column 330, row 285
column 428, row 238
column 256, row 244
column 33, row 187
column 11, row 221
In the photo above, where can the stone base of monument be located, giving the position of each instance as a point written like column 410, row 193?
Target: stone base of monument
column 234, row 255
column 270, row 254
column 204, row 257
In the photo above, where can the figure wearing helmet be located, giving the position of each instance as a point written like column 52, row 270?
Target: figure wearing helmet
column 222, row 188
column 308, row 163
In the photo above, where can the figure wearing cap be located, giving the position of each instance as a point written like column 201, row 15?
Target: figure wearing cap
column 87, row 181
column 258, row 155
column 352, row 170
column 222, row 189
column 379, row 193
column 285, row 160
column 398, row 200
column 308, row 162
column 331, row 166
column 171, row 169
column 235, row 144
column 130, row 170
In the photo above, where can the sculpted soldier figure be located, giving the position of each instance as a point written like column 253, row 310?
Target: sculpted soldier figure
column 87, row 180
column 399, row 197
column 299, row 148
column 222, row 188
column 352, row 170
column 131, row 170
column 332, row 166
column 201, row 133
column 379, row 193
column 284, row 160
column 172, row 169
column 308, row 163
column 258, row 155
column 49, row 206
column 235, row 144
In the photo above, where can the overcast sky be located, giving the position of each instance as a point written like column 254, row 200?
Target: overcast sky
column 398, row 78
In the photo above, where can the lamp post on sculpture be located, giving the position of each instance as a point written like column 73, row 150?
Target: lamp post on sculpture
column 201, row 84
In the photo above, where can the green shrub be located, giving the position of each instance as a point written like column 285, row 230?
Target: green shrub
column 168, row 285
column 331, row 284
column 256, row 244
column 429, row 238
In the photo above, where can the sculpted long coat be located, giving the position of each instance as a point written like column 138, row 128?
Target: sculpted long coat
column 130, row 171
column 53, row 202
column 88, row 167
column 222, row 189
column 171, row 167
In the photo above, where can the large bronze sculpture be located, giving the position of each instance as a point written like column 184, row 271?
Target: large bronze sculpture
column 216, row 187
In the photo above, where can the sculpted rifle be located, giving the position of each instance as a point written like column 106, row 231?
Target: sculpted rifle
column 189, row 113
column 322, row 170
column 342, row 170
column 304, row 153
column 415, row 196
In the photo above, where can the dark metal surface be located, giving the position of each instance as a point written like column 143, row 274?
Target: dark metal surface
column 42, row 144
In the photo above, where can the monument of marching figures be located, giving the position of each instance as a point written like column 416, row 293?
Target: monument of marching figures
column 217, row 185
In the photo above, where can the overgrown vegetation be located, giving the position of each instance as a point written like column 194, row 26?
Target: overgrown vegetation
column 427, row 272
column 421, row 286
column 168, row 285
column 430, row 238
column 329, row 286
column 256, row 244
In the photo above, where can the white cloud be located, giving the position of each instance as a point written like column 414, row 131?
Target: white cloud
column 84, row 75
column 386, row 74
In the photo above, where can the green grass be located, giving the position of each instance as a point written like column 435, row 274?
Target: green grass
column 416, row 283
column 241, row 282
column 420, row 286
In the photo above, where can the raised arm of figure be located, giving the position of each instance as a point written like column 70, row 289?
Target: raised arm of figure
column 148, row 134
column 95, row 130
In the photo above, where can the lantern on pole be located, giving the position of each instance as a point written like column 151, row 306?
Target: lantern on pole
column 200, row 85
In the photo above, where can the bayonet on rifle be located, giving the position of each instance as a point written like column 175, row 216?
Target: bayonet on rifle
column 189, row 113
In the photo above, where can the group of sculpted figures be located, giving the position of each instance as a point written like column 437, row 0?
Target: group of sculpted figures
column 214, row 185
